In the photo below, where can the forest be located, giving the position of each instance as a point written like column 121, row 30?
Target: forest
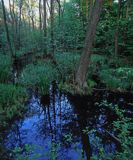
column 66, row 79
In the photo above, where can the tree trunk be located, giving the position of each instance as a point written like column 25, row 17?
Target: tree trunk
column 19, row 27
column 117, row 28
column 52, row 26
column 85, row 57
column 7, row 31
column 32, row 20
column 15, row 24
column 127, row 8
column 90, row 8
column 40, row 14
column 45, row 26
column 13, row 21
column 87, row 4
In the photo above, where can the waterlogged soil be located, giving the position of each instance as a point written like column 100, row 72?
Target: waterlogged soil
column 65, row 127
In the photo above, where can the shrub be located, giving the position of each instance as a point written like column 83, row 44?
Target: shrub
column 120, row 78
column 123, row 127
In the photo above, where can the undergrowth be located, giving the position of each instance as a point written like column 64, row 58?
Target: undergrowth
column 66, row 66
column 12, row 100
column 5, row 68
column 120, row 78
column 123, row 126
column 38, row 76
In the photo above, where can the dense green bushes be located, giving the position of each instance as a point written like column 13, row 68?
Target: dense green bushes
column 120, row 78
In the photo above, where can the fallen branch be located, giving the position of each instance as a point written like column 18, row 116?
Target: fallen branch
column 111, row 135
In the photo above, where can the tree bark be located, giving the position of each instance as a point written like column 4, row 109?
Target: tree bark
column 15, row 24
column 87, row 4
column 20, row 19
column 127, row 8
column 117, row 28
column 12, row 21
column 90, row 8
column 7, row 31
column 40, row 14
column 52, row 26
column 45, row 26
column 85, row 57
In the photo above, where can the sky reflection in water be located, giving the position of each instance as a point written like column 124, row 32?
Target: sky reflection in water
column 59, row 120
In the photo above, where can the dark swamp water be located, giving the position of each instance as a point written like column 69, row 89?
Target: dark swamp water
column 66, row 127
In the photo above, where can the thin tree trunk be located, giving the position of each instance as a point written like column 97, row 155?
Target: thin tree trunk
column 59, row 12
column 40, row 15
column 45, row 26
column 85, row 57
column 117, row 28
column 125, row 35
column 87, row 4
column 12, row 18
column 127, row 9
column 13, row 21
column 15, row 24
column 7, row 31
column 52, row 26
column 19, row 27
column 32, row 20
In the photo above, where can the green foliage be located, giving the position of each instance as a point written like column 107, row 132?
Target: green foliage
column 68, row 88
column 91, row 84
column 66, row 65
column 96, row 58
column 29, row 154
column 70, row 34
column 5, row 68
column 123, row 127
column 120, row 78
column 39, row 75
column 96, row 64
column 11, row 102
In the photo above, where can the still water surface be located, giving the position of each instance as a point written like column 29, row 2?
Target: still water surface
column 64, row 126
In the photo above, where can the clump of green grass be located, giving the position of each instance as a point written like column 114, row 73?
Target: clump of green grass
column 11, row 102
column 5, row 68
column 39, row 75
column 120, row 78
column 67, row 65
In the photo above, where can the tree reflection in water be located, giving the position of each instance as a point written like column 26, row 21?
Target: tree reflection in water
column 60, row 119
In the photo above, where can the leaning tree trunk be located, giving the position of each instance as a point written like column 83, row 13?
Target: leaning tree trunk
column 90, row 8
column 6, row 29
column 85, row 57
